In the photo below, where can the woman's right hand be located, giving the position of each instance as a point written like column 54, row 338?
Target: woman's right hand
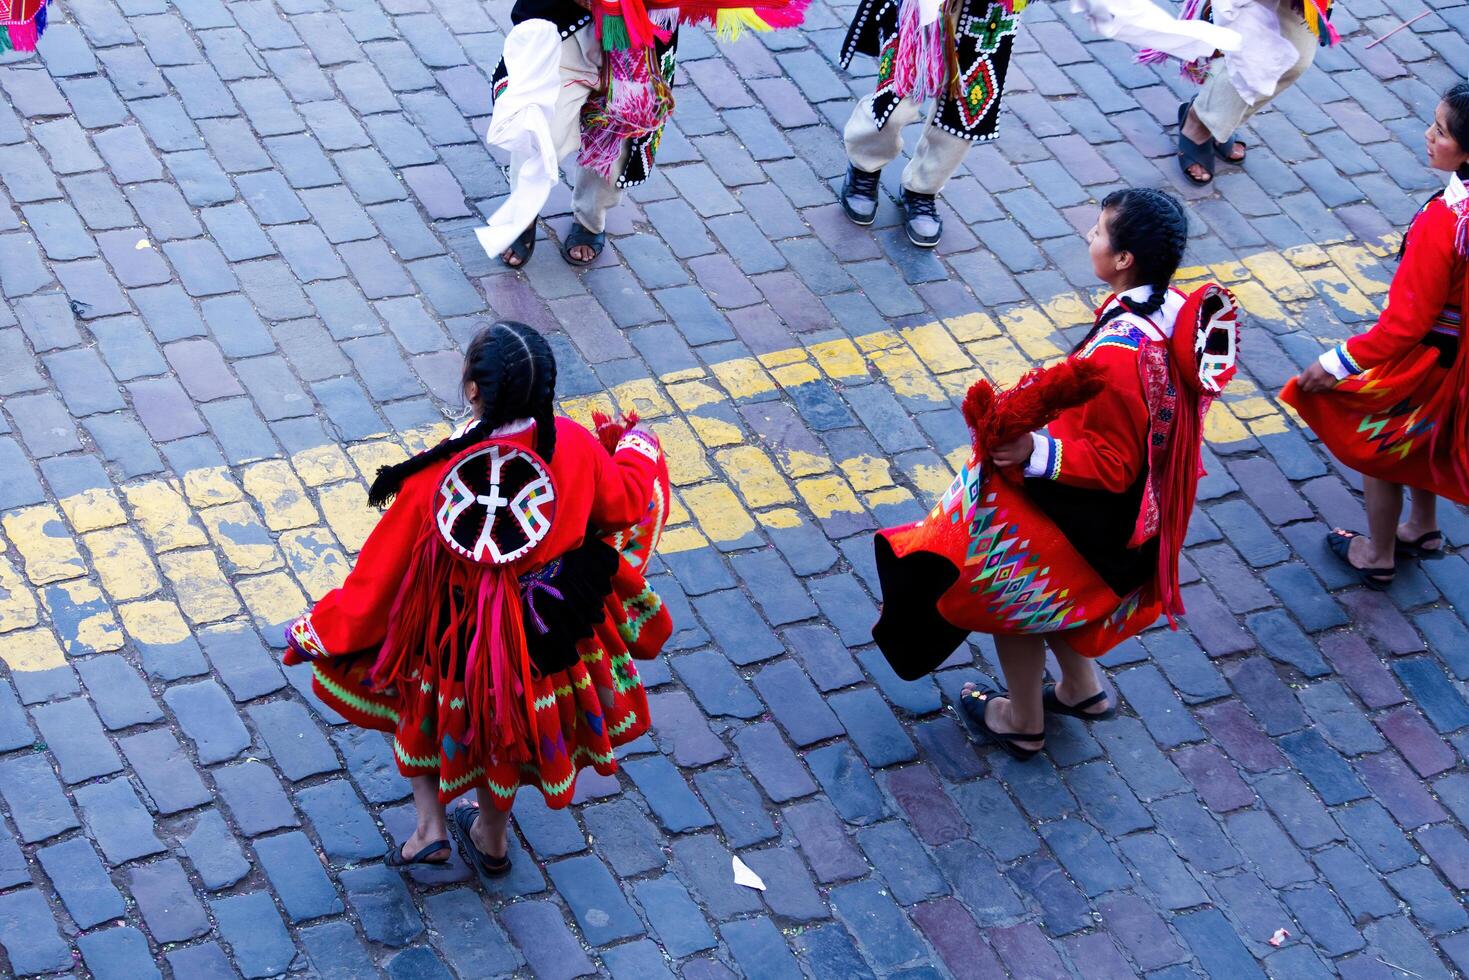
column 1315, row 379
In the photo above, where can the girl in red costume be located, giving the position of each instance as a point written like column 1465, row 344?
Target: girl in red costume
column 1393, row 403
column 491, row 620
column 1084, row 552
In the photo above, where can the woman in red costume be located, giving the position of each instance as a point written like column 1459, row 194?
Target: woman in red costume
column 1083, row 552
column 1393, row 403
column 491, row 620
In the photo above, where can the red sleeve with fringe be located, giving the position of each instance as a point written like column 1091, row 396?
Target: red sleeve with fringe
column 1102, row 444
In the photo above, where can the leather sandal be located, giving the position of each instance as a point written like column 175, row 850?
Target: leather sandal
column 1419, row 547
column 1191, row 153
column 579, row 235
column 1055, row 706
column 1340, row 543
column 395, row 858
column 973, row 703
column 522, row 248
column 488, row 865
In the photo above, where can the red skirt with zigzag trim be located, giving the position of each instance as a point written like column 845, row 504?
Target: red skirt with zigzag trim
column 581, row 714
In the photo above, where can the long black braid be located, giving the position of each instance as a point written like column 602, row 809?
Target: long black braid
column 514, row 370
column 1457, row 98
column 1154, row 228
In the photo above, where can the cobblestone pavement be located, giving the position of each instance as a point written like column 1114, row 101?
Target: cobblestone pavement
column 236, row 253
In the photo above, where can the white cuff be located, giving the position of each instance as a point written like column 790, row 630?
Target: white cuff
column 1040, row 455
column 1335, row 364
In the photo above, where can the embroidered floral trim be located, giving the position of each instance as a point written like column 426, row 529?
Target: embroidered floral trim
column 301, row 637
column 640, row 441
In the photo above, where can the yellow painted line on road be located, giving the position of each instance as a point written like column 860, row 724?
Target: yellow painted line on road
column 153, row 560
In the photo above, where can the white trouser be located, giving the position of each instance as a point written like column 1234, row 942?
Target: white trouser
column 581, row 65
column 871, row 147
column 1219, row 105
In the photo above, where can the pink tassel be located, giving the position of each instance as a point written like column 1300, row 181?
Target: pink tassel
column 919, row 69
column 792, row 14
column 23, row 37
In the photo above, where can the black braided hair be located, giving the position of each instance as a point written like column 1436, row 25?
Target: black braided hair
column 514, row 370
column 1457, row 100
column 1154, row 228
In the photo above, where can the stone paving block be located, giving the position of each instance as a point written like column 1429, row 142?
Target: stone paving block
column 877, row 925
column 295, row 871
column 382, row 904
column 166, row 899
column 796, row 705
column 255, row 933
column 550, row 948
column 34, row 796
column 847, row 783
column 209, row 719
column 675, row 805
column 297, row 745
column 79, row 878
column 165, row 771
column 704, row 865
column 872, row 727
column 469, row 939
column 117, row 821
column 116, row 954
column 254, row 796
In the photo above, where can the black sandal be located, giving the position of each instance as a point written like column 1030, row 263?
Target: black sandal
column 395, row 858
column 488, row 865
column 1191, row 153
column 972, row 703
column 522, row 248
column 1221, row 151
column 1419, row 549
column 1055, row 706
column 579, row 235
column 1340, row 543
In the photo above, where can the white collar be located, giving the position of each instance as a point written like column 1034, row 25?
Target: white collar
column 508, row 429
column 1159, row 326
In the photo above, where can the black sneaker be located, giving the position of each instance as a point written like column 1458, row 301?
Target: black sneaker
column 921, row 219
column 859, row 195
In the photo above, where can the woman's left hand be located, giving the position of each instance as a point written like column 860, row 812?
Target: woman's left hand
column 1315, row 379
column 1016, row 453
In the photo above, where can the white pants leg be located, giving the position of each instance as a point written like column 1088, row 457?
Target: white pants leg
column 1219, row 105
column 871, row 147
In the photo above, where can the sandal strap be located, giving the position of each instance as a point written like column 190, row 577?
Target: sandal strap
column 1097, row 698
column 982, row 694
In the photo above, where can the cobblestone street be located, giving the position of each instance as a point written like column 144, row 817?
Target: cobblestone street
column 238, row 266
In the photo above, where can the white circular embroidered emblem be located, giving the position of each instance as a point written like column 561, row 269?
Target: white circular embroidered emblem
column 496, row 504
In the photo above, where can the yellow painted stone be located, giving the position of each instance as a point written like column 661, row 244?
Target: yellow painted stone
column 1002, row 362
column 932, row 481
column 644, row 397
column 906, row 374
column 322, row 465
column 163, row 515
column 1032, row 330
column 1387, row 247
column 581, row 409
column 33, row 650
column 154, row 622
column 1258, row 302
column 82, row 617
column 797, row 462
column 211, row 486
column 779, row 518
column 245, row 541
column 677, row 512
column 1221, row 428
column 690, row 395
column 828, row 495
column 718, row 512
column 1070, row 310
column 887, row 495
column 1227, row 272
column 1305, row 256
column 958, row 457
column 1269, row 425
column 93, row 509
column 936, row 348
column 957, row 383
column 417, row 440
column 1253, row 407
column 714, row 432
column 1331, row 281
column 792, row 375
column 972, row 326
column 778, row 358
column 1359, row 264
column 122, row 563
column 755, row 476
column 348, row 514
column 371, row 456
column 680, row 539
column 867, row 472
column 44, row 543
column 17, row 602
column 313, row 556
column 839, row 359
column 743, row 377
column 1276, row 274
column 879, row 340
column 272, row 598
column 199, row 584
column 686, row 463
column 683, row 374
column 281, row 497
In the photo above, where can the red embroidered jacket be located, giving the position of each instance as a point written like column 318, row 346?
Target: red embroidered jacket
column 609, row 492
column 1424, row 296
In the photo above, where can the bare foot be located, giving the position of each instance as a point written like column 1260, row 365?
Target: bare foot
column 582, row 253
column 511, row 259
column 1199, row 133
column 1408, row 532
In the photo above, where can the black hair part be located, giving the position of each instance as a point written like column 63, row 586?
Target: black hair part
column 1457, row 99
column 1152, row 226
column 514, row 371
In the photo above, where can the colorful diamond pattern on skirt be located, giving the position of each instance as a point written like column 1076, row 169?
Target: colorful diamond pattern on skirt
column 1014, row 578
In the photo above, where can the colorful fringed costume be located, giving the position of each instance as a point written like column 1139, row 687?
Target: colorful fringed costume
column 960, row 58
column 1316, row 14
column 1400, row 409
column 1088, row 544
column 634, row 97
column 24, row 21
column 493, row 616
